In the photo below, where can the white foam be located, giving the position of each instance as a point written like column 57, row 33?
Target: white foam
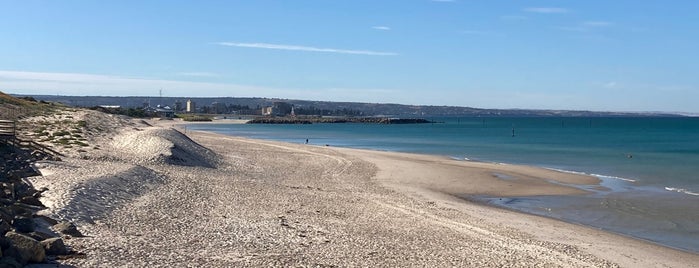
column 613, row 177
column 568, row 171
column 680, row 190
column 595, row 175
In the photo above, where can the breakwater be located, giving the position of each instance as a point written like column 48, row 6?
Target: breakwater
column 331, row 120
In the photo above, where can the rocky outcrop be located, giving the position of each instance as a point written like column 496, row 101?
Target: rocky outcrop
column 22, row 238
column 67, row 228
column 54, row 246
column 23, row 248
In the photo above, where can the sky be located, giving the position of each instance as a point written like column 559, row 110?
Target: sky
column 601, row 55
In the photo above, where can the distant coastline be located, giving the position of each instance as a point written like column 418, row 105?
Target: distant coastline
column 327, row 108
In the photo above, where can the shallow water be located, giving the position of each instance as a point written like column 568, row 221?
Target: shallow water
column 650, row 165
column 661, row 217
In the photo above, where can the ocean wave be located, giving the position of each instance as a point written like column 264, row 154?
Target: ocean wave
column 613, row 177
column 568, row 171
column 680, row 190
column 593, row 174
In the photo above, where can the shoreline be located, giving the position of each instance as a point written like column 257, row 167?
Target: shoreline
column 571, row 184
column 234, row 201
column 584, row 184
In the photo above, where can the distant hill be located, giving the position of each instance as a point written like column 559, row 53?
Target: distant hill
column 13, row 108
column 366, row 109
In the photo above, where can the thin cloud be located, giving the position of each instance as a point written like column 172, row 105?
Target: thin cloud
column 597, row 23
column 547, row 10
column 307, row 49
column 513, row 17
column 80, row 84
column 610, row 84
column 382, row 28
column 587, row 26
column 573, row 29
column 198, row 74
column 481, row 33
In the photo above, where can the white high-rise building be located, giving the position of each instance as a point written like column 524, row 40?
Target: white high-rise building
column 191, row 106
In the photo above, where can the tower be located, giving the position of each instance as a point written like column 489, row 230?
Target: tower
column 191, row 106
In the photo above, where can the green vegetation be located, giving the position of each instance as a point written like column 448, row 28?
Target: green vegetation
column 64, row 141
column 194, row 117
column 81, row 143
column 131, row 112
column 61, row 133
column 12, row 108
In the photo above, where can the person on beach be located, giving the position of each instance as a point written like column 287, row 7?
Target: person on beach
column 306, row 141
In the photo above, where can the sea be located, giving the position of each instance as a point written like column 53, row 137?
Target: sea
column 648, row 166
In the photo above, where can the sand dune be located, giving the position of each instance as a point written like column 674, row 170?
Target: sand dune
column 164, row 146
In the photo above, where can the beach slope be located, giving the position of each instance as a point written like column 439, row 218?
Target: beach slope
column 153, row 196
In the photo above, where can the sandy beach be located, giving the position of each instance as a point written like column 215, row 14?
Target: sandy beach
column 152, row 195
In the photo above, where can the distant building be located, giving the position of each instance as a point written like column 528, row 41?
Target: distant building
column 110, row 106
column 191, row 106
column 164, row 112
column 278, row 109
column 219, row 108
column 267, row 110
column 178, row 106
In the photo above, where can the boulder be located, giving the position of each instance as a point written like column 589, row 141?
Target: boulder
column 4, row 227
column 18, row 209
column 67, row 228
column 4, row 243
column 5, row 216
column 54, row 246
column 26, row 248
column 43, row 218
column 38, row 235
column 10, row 262
column 31, row 200
column 23, row 224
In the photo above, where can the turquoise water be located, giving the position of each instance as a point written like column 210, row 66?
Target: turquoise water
column 650, row 164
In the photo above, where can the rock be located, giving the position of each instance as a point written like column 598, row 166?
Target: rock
column 4, row 227
column 31, row 200
column 23, row 224
column 23, row 189
column 18, row 209
column 5, row 216
column 46, row 219
column 27, row 249
column 4, row 243
column 67, row 228
column 54, row 246
column 39, row 236
column 10, row 262
column 6, row 201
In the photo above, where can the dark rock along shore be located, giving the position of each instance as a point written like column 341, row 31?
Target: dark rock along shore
column 312, row 120
column 25, row 236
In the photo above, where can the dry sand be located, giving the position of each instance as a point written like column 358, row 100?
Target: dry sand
column 150, row 196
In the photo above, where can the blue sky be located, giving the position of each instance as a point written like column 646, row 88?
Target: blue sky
column 585, row 55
